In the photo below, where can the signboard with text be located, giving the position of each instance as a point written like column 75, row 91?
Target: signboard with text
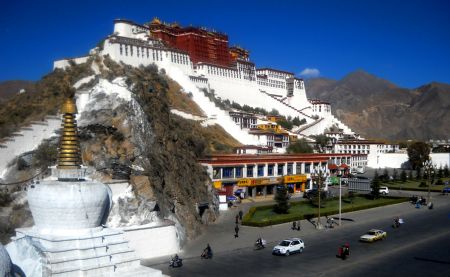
column 295, row 179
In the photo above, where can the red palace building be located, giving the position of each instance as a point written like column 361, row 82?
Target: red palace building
column 202, row 45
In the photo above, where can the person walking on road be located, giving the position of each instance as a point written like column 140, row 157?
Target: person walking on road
column 240, row 215
column 298, row 225
column 236, row 231
column 237, row 219
column 294, row 225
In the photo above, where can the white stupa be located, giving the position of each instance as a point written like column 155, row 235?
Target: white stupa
column 68, row 238
column 5, row 262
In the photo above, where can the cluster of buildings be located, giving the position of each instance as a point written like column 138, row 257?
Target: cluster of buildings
column 202, row 59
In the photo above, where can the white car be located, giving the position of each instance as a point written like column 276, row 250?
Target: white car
column 289, row 246
column 373, row 235
column 384, row 190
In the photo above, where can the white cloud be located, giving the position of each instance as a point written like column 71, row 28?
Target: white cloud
column 310, row 73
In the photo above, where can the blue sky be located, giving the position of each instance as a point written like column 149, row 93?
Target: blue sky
column 406, row 42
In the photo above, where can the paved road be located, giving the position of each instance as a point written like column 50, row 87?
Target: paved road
column 419, row 247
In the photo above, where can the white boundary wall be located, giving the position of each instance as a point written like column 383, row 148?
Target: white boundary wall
column 153, row 241
column 395, row 160
column 27, row 139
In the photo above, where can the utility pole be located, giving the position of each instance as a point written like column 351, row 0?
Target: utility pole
column 428, row 166
column 340, row 200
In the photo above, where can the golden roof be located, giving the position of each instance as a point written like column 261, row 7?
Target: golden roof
column 156, row 21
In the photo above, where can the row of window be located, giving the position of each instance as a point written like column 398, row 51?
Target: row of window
column 157, row 55
column 126, row 50
column 271, row 85
column 223, row 72
column 262, row 170
column 178, row 58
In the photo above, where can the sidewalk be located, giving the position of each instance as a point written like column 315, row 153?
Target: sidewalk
column 220, row 234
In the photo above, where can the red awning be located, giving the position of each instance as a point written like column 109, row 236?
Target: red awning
column 343, row 166
column 332, row 166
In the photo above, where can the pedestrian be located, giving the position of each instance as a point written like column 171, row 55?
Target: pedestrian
column 298, row 225
column 236, row 231
column 240, row 215
column 294, row 225
column 237, row 219
column 347, row 249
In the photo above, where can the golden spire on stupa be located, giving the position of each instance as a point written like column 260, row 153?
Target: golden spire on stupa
column 69, row 154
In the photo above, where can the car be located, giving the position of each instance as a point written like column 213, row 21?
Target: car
column 289, row 246
column 446, row 190
column 311, row 193
column 384, row 190
column 233, row 199
column 373, row 235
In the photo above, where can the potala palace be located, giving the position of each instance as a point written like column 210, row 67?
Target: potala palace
column 201, row 59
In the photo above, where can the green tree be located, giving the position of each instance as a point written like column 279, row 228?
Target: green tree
column 321, row 143
column 410, row 175
column 395, row 175
column 418, row 153
column 274, row 112
column 282, row 202
column 296, row 121
column 286, row 124
column 418, row 173
column 403, row 176
column 440, row 172
column 385, row 175
column 376, row 185
column 446, row 171
column 300, row 146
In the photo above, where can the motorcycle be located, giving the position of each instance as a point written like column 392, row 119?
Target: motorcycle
column 260, row 244
column 397, row 223
column 176, row 262
column 206, row 254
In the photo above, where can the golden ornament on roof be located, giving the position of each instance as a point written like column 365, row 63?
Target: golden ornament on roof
column 69, row 154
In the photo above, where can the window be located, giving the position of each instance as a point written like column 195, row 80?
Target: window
column 250, row 170
column 216, row 172
column 227, row 172
column 270, row 170
column 260, row 170
column 121, row 49
column 298, row 168
column 290, row 169
column 307, row 168
column 280, row 170
column 238, row 172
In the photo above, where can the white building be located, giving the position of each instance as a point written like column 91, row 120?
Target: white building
column 243, row 83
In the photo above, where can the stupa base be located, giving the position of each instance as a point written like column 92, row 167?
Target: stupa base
column 92, row 252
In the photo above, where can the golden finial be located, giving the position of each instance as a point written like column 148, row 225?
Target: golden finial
column 69, row 155
column 156, row 21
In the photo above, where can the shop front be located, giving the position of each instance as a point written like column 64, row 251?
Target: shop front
column 295, row 183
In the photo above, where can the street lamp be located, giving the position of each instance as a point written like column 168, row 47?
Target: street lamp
column 319, row 181
column 429, row 168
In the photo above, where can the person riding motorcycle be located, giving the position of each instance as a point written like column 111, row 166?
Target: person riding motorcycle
column 176, row 261
column 207, row 252
column 260, row 243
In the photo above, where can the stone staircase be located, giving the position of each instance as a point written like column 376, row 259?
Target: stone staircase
column 100, row 252
column 286, row 104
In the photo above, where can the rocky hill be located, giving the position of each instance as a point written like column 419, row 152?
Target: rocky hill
column 377, row 108
column 127, row 131
column 10, row 88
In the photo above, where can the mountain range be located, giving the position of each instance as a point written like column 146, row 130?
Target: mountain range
column 378, row 109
